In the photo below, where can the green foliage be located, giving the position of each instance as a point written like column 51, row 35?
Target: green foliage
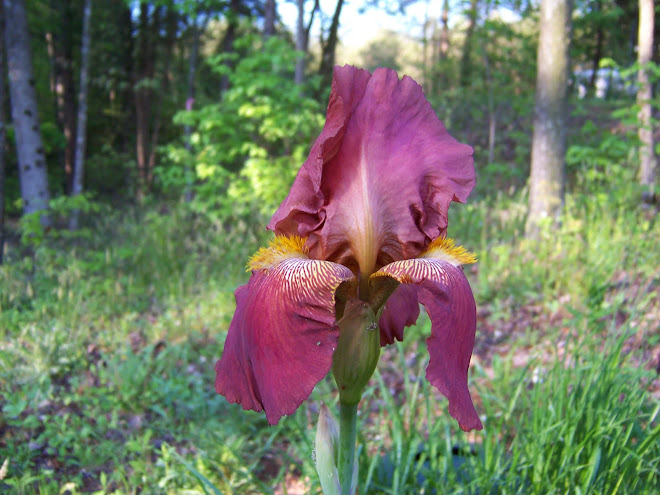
column 106, row 355
column 245, row 151
column 499, row 96
column 111, row 171
column 33, row 233
column 605, row 163
column 382, row 52
column 108, row 336
column 106, row 365
column 608, row 24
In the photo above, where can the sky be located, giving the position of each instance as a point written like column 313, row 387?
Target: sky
column 357, row 28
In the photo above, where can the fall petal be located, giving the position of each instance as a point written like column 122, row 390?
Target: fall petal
column 446, row 294
column 378, row 181
column 401, row 310
column 282, row 337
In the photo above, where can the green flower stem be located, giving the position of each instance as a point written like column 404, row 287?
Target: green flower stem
column 347, row 438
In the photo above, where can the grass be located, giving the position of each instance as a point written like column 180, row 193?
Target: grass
column 107, row 346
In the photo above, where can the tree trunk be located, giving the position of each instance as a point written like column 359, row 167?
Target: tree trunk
column 29, row 145
column 492, row 115
column 647, row 168
column 329, row 48
column 190, row 100
column 127, row 118
column 197, row 29
column 302, row 39
column 171, row 23
column 466, row 66
column 270, row 13
column 3, row 132
column 192, row 69
column 444, row 34
column 598, row 51
column 299, row 77
column 546, row 189
column 61, row 52
column 81, row 129
column 144, row 81
column 227, row 45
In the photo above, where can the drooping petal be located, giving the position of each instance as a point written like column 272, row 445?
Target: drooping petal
column 401, row 310
column 445, row 292
column 283, row 334
column 377, row 184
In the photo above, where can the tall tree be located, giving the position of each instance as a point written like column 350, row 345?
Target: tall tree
column 270, row 13
column 598, row 48
column 302, row 39
column 329, row 47
column 644, row 95
column 3, row 132
column 29, row 145
column 60, row 50
column 546, row 188
column 197, row 28
column 466, row 64
column 232, row 13
column 444, row 36
column 81, row 128
column 149, row 26
column 150, row 91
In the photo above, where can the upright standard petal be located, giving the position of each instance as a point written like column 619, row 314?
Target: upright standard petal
column 283, row 334
column 301, row 213
column 446, row 294
column 377, row 184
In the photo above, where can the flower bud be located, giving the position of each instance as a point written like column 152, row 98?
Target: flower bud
column 327, row 437
column 358, row 350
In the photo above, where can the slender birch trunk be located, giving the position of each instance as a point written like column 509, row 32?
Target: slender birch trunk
column 546, row 191
column 81, row 129
column 648, row 164
column 29, row 145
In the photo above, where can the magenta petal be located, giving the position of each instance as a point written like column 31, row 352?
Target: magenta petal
column 445, row 292
column 301, row 211
column 401, row 310
column 378, row 182
column 453, row 324
column 282, row 337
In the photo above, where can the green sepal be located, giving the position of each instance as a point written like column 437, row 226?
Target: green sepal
column 358, row 350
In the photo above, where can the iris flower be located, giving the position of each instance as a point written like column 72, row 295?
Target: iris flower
column 361, row 237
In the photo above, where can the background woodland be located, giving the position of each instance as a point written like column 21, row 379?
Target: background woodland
column 144, row 146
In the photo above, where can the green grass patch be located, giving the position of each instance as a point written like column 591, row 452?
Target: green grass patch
column 108, row 344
